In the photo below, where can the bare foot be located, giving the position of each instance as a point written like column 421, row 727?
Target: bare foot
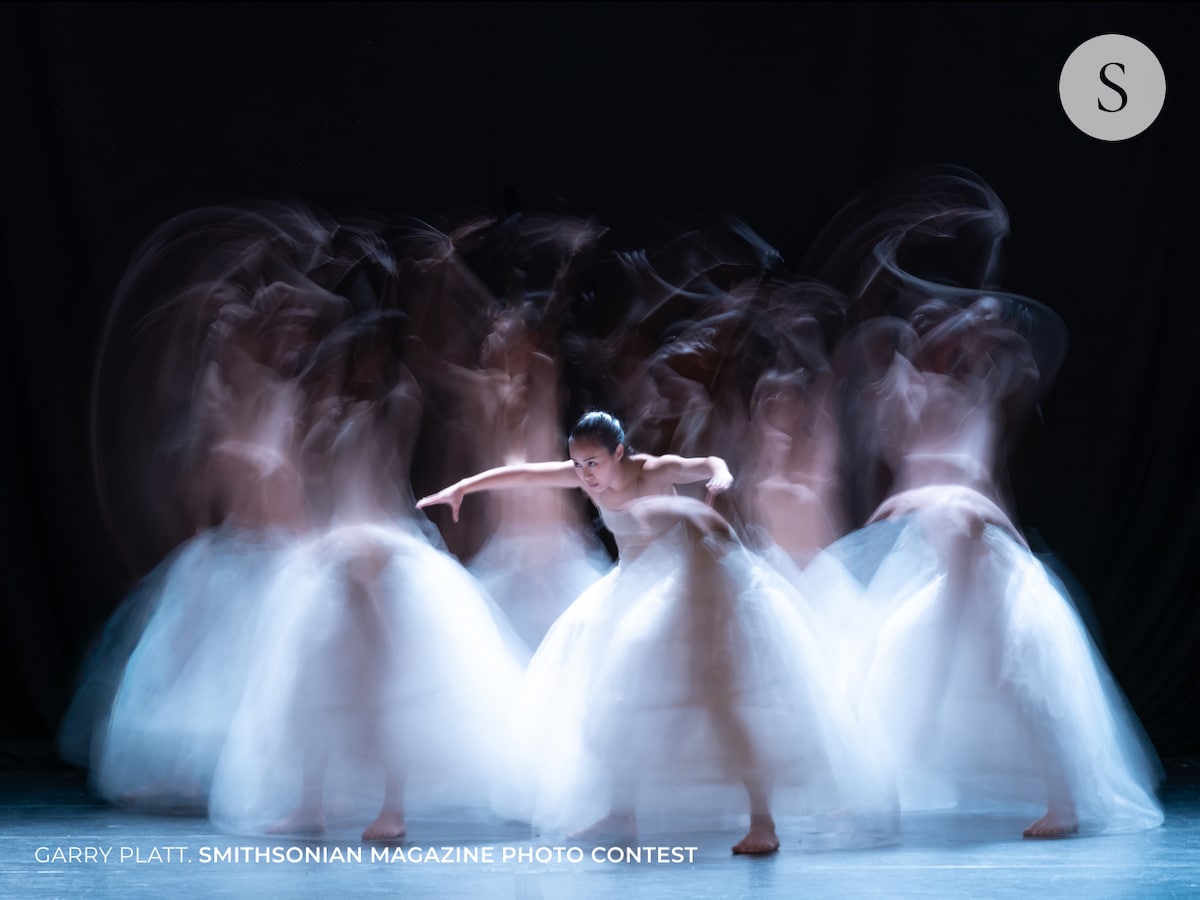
column 613, row 827
column 1054, row 824
column 387, row 827
column 760, row 839
column 302, row 821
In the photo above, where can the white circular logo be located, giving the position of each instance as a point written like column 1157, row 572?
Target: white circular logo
column 1112, row 87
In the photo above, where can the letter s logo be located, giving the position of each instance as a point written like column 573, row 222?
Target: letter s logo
column 1129, row 95
column 1115, row 87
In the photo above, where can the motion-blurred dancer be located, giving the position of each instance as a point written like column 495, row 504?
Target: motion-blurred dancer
column 979, row 674
column 383, row 671
column 684, row 681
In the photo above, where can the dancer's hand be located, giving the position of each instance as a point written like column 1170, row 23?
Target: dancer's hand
column 721, row 481
column 451, row 496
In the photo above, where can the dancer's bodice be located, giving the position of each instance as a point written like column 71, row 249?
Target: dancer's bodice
column 945, row 433
column 628, row 531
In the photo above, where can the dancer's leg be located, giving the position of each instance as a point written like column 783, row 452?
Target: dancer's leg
column 620, row 824
column 309, row 816
column 735, row 739
column 389, row 824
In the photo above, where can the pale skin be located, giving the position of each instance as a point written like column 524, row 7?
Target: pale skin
column 611, row 480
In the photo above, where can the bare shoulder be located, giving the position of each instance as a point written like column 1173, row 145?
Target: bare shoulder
column 657, row 463
column 656, row 473
column 648, row 464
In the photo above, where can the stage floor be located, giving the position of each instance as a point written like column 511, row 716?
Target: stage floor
column 54, row 836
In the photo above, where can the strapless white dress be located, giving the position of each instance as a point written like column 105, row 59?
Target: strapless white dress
column 989, row 696
column 638, row 686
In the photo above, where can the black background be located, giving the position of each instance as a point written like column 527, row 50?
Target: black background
column 118, row 116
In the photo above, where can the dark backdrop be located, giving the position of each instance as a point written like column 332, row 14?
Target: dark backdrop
column 118, row 116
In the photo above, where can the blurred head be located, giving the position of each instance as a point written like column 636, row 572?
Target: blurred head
column 597, row 446
column 656, row 514
column 781, row 400
column 514, row 333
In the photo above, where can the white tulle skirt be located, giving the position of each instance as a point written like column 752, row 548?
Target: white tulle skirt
column 376, row 655
column 673, row 681
column 153, row 708
column 980, row 682
column 534, row 571
column 829, row 599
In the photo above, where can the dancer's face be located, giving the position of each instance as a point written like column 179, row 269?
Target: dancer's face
column 595, row 466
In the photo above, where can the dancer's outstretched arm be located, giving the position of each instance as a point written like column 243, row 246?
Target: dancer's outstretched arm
column 542, row 474
column 688, row 470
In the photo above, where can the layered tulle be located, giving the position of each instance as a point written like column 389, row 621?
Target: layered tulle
column 827, row 597
column 156, row 699
column 973, row 671
column 377, row 655
column 680, row 678
column 534, row 570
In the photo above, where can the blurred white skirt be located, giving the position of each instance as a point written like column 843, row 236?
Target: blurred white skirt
column 673, row 681
column 971, row 668
column 376, row 653
column 155, row 703
column 533, row 571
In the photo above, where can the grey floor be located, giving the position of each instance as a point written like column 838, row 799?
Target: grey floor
column 46, row 817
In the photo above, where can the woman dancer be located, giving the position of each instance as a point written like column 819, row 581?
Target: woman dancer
column 684, row 681
column 152, row 713
column 981, row 678
column 383, row 669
